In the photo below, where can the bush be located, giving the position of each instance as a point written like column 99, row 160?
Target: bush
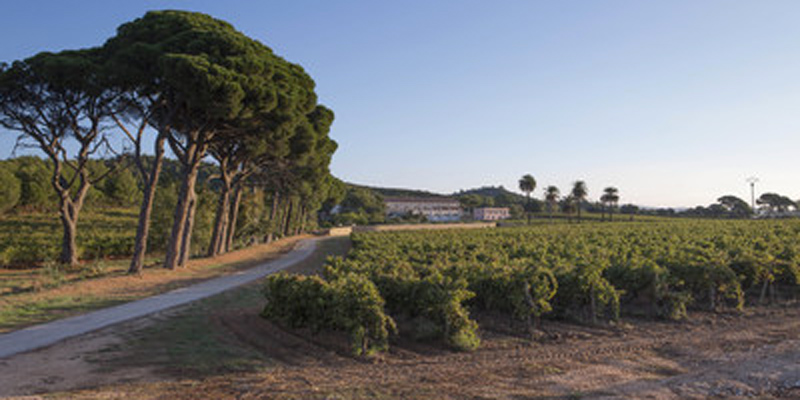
column 644, row 281
column 584, row 293
column 524, row 293
column 436, row 301
column 350, row 303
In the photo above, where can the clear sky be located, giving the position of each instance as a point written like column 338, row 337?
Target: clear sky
column 674, row 102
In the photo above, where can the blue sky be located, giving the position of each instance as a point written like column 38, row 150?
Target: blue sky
column 675, row 103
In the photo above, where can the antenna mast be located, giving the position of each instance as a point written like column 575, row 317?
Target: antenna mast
column 752, row 181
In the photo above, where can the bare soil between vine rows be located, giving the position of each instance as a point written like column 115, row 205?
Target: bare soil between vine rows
column 727, row 355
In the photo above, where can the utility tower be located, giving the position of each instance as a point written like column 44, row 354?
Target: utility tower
column 752, row 181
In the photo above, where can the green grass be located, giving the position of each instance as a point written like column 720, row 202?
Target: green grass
column 190, row 343
column 26, row 314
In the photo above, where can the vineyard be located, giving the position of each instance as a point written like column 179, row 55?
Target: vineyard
column 429, row 283
column 29, row 239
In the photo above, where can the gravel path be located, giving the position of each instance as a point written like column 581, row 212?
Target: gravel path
column 43, row 335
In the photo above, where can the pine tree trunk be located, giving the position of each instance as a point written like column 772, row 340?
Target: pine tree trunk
column 712, row 298
column 69, row 244
column 175, row 244
column 69, row 210
column 772, row 295
column 234, row 215
column 275, row 203
column 303, row 220
column 288, row 219
column 186, row 245
column 146, row 210
column 219, row 234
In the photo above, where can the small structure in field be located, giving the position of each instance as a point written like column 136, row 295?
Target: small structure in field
column 490, row 213
column 434, row 209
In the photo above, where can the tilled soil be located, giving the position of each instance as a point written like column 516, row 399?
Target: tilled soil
column 750, row 355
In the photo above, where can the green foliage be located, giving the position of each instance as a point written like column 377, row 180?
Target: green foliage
column 253, row 220
column 35, row 176
column 122, row 189
column 735, row 207
column 498, row 197
column 589, row 272
column 435, row 299
column 666, row 267
column 203, row 219
column 523, row 292
column 29, row 239
column 585, row 294
column 360, row 206
column 774, row 202
column 643, row 281
column 707, row 274
column 357, row 307
column 161, row 219
column 10, row 189
column 350, row 303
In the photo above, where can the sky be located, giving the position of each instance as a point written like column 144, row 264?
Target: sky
column 675, row 103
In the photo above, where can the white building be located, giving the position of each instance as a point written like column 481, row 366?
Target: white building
column 490, row 213
column 435, row 209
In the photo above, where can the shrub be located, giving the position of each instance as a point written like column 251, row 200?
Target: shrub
column 436, row 301
column 350, row 303
column 524, row 292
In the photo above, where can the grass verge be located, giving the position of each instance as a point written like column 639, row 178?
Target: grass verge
column 190, row 342
column 45, row 295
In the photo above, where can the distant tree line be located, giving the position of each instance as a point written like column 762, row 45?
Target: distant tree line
column 573, row 203
column 204, row 91
column 358, row 206
column 730, row 206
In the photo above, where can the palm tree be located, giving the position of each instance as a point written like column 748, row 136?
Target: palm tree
column 610, row 198
column 551, row 194
column 527, row 184
column 568, row 207
column 579, row 193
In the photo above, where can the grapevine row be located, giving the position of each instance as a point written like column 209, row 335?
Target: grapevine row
column 588, row 273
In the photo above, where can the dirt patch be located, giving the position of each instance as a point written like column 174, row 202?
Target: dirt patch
column 73, row 363
column 287, row 347
column 754, row 355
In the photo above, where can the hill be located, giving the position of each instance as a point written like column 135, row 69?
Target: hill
column 398, row 192
column 495, row 192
